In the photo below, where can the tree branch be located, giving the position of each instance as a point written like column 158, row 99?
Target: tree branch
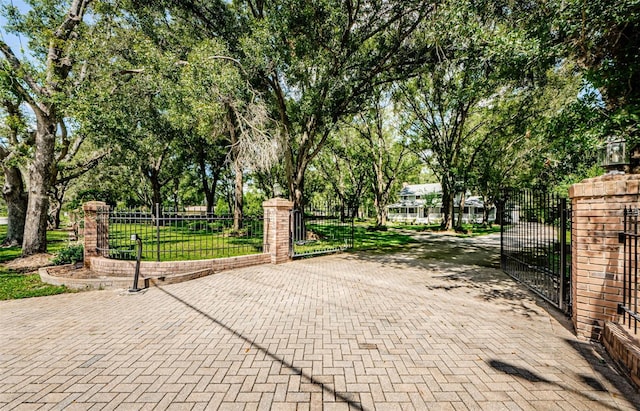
column 16, row 65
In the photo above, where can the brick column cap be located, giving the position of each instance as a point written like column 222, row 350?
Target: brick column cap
column 93, row 205
column 278, row 203
column 606, row 185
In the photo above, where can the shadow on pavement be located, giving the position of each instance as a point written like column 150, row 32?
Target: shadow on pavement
column 603, row 364
column 344, row 397
column 457, row 264
column 528, row 375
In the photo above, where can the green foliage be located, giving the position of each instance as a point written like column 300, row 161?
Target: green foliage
column 467, row 230
column 14, row 286
column 69, row 255
column 379, row 240
column 56, row 240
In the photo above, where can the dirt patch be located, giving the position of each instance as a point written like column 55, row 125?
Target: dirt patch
column 71, row 271
column 30, row 263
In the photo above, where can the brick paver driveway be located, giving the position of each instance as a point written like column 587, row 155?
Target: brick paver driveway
column 430, row 328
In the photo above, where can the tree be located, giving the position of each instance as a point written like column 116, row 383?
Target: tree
column 481, row 62
column 15, row 139
column 53, row 34
column 321, row 61
column 231, row 113
column 389, row 157
column 344, row 167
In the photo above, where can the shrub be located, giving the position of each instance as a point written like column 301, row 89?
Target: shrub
column 197, row 225
column 69, row 255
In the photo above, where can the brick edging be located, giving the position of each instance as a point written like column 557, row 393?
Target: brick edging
column 623, row 348
column 111, row 273
column 121, row 268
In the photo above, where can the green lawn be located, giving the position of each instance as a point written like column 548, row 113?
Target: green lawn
column 200, row 242
column 56, row 240
column 14, row 285
column 183, row 242
column 468, row 230
column 364, row 238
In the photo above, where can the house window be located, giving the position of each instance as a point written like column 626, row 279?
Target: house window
column 411, row 211
column 465, row 210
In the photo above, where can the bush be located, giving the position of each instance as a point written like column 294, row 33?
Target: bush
column 197, row 225
column 69, row 255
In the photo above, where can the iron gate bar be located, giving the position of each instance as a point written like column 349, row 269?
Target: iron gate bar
column 629, row 237
column 337, row 227
column 534, row 248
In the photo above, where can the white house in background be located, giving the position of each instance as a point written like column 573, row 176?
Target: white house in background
column 422, row 203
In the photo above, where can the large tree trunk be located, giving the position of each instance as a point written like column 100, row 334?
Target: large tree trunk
column 485, row 210
column 238, row 197
column 381, row 214
column 59, row 192
column 156, row 188
column 209, row 190
column 461, row 210
column 16, row 198
column 41, row 170
column 447, row 206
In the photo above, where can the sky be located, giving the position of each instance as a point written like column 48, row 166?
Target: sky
column 17, row 44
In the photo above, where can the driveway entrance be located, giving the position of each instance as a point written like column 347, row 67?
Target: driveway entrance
column 437, row 326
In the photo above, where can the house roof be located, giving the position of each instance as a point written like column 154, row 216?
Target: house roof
column 420, row 189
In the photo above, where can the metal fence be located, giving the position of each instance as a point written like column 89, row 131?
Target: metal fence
column 320, row 231
column 536, row 243
column 629, row 237
column 177, row 236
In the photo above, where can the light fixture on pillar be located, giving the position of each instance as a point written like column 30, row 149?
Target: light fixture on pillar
column 614, row 156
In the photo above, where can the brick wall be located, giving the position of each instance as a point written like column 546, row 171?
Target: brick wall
column 597, row 265
column 119, row 268
column 276, row 248
column 623, row 348
column 91, row 229
column 277, row 229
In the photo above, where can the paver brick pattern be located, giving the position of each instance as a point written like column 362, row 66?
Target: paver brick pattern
column 349, row 331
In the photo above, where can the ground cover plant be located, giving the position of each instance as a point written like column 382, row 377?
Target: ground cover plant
column 14, row 285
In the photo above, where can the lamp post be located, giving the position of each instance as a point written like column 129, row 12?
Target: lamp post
column 138, row 240
column 614, row 156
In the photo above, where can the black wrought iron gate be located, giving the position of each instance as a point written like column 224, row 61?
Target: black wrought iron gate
column 536, row 243
column 629, row 309
column 320, row 231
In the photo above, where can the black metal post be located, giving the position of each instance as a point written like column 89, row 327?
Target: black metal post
column 138, row 240
column 158, row 231
column 563, row 252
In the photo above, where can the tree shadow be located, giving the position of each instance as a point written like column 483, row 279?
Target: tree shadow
column 530, row 376
column 603, row 364
column 340, row 396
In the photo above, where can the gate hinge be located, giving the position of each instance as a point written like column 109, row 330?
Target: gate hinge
column 622, row 237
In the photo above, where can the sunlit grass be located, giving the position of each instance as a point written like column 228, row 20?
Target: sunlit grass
column 56, row 240
column 15, row 285
column 467, row 230
column 180, row 243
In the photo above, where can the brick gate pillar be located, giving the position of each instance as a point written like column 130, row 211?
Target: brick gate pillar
column 93, row 226
column 597, row 256
column 277, row 229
